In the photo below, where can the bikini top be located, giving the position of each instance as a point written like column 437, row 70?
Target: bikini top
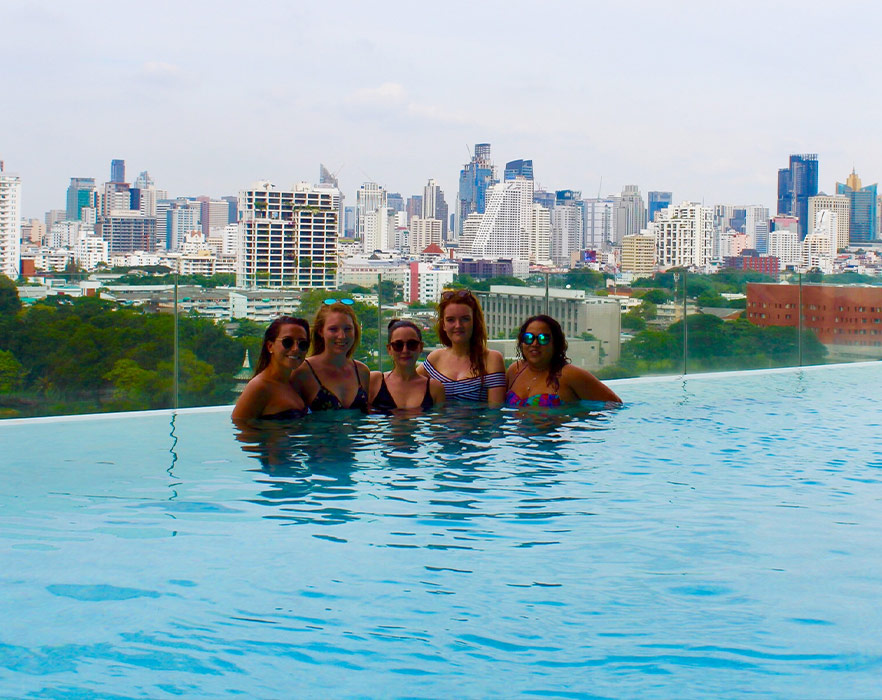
column 384, row 401
column 512, row 399
column 287, row 414
column 469, row 389
column 327, row 400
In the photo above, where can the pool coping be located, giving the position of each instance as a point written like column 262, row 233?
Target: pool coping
column 650, row 379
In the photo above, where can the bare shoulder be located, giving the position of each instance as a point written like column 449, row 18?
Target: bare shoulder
column 586, row 386
column 494, row 361
column 252, row 400
column 376, row 382
column 302, row 375
column 364, row 374
column 436, row 390
column 512, row 371
column 435, row 355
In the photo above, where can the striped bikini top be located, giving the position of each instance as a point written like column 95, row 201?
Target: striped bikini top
column 469, row 389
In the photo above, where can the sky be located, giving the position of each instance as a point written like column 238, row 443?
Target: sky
column 706, row 100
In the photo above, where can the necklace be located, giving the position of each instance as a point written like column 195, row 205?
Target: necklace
column 533, row 380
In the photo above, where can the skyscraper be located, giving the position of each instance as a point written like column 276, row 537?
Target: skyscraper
column 657, row 202
column 795, row 185
column 10, row 224
column 82, row 192
column 434, row 206
column 504, row 227
column 862, row 224
column 630, row 213
column 567, row 223
column 117, row 171
column 756, row 226
column 683, row 235
column 288, row 238
column 839, row 205
column 370, row 197
column 518, row 168
column 475, row 178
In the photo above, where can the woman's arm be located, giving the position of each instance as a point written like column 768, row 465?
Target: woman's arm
column 495, row 365
column 251, row 402
column 436, row 390
column 376, row 382
column 586, row 386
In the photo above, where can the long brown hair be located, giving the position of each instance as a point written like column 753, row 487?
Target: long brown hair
column 318, row 326
column 559, row 358
column 270, row 335
column 478, row 341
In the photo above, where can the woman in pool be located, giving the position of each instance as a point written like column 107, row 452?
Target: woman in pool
column 330, row 379
column 544, row 375
column 269, row 395
column 466, row 368
column 402, row 387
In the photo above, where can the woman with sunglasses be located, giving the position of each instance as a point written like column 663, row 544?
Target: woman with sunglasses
column 402, row 387
column 467, row 369
column 543, row 376
column 330, row 379
column 269, row 395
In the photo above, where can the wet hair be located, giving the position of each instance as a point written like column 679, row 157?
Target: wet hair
column 559, row 358
column 397, row 323
column 478, row 341
column 318, row 326
column 270, row 335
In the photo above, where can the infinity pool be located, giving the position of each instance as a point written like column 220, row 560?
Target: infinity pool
column 717, row 537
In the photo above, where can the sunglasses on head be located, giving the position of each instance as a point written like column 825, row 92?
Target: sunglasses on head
column 348, row 302
column 455, row 294
column 529, row 338
column 412, row 344
column 288, row 343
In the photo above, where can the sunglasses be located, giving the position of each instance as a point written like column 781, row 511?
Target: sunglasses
column 288, row 343
column 413, row 345
column 348, row 302
column 455, row 294
column 529, row 338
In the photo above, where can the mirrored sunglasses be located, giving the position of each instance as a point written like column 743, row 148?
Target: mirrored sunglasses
column 348, row 302
column 288, row 343
column 529, row 338
column 413, row 345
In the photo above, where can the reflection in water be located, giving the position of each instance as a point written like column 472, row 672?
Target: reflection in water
column 435, row 465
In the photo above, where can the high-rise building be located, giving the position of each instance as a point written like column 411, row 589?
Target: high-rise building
column 540, row 236
column 370, row 197
column 566, row 227
column 288, row 238
column 630, row 213
column 414, row 206
column 380, row 227
column 10, row 224
column 599, row 224
column 82, row 192
column 796, row 184
column 518, row 168
column 784, row 245
column 395, row 201
column 756, row 227
column 434, row 206
column 423, row 233
column 658, row 201
column 862, row 223
column 638, row 253
column 127, row 231
column 184, row 216
column 117, row 170
column 475, row 178
column 504, row 229
column 683, row 235
column 838, row 204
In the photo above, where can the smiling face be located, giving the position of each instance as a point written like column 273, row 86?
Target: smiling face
column 536, row 355
column 405, row 357
column 458, row 323
column 289, row 357
column 338, row 333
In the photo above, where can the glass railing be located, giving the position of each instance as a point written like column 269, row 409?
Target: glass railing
column 87, row 346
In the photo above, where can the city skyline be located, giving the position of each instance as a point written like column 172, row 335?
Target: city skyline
column 686, row 100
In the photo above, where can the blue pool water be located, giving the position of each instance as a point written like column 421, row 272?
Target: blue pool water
column 717, row 537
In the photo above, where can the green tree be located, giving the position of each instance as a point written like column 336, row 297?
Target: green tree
column 657, row 296
column 11, row 372
column 9, row 300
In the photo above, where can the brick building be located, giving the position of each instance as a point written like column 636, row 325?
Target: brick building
column 839, row 315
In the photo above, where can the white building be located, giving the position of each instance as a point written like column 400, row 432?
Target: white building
column 630, row 213
column 539, row 237
column 63, row 234
column 599, row 224
column 423, row 233
column 504, row 229
column 182, row 218
column 819, row 247
column 91, row 250
column 379, row 231
column 369, row 198
column 52, row 259
column 838, row 204
column 683, row 235
column 288, row 238
column 732, row 243
column 428, row 280
column 566, row 234
column 10, row 224
column 756, row 228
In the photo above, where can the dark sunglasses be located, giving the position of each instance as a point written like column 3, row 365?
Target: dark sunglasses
column 455, row 294
column 288, row 343
column 413, row 345
column 543, row 338
column 348, row 302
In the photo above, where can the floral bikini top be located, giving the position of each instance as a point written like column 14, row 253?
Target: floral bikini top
column 512, row 399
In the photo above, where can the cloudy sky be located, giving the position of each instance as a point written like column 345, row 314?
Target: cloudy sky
column 704, row 99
